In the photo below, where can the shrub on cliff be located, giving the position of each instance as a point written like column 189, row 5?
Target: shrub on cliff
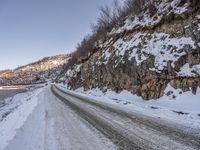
column 108, row 19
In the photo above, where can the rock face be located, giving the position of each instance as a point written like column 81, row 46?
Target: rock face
column 45, row 69
column 145, row 53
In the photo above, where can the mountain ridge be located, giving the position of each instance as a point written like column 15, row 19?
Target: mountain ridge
column 42, row 70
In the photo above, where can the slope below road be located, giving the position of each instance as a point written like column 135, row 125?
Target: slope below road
column 5, row 93
column 131, row 130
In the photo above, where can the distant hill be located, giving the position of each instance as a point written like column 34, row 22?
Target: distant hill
column 40, row 71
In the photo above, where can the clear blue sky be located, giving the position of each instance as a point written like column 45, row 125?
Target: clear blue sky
column 32, row 29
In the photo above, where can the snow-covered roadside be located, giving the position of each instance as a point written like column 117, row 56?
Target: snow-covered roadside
column 53, row 125
column 175, row 106
column 14, row 114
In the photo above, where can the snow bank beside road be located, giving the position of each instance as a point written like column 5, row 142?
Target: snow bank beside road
column 174, row 106
column 14, row 114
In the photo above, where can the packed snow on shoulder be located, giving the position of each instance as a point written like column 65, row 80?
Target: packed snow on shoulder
column 14, row 114
column 175, row 106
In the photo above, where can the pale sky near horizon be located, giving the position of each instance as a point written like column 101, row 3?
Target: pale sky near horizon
column 32, row 29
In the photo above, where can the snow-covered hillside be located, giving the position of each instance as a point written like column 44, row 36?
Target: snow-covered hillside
column 45, row 69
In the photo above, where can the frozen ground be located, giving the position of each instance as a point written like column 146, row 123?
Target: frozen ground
column 38, row 120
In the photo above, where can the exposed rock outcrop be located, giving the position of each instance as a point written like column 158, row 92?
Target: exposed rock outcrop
column 145, row 53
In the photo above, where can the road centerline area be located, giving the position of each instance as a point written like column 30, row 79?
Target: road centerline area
column 135, row 135
column 53, row 125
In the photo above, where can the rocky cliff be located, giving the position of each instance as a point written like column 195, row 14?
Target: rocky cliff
column 146, row 52
column 45, row 69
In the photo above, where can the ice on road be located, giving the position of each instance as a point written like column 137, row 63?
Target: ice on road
column 55, row 119
column 54, row 126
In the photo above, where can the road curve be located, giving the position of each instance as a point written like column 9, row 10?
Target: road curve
column 130, row 131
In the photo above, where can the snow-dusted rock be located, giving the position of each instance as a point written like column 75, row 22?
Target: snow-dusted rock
column 146, row 52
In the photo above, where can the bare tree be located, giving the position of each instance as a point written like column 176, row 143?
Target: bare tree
column 109, row 18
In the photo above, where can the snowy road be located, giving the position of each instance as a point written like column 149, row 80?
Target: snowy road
column 53, row 119
column 131, row 130
column 54, row 126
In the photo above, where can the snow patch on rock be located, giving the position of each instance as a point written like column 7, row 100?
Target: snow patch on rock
column 73, row 72
column 198, row 16
column 146, row 20
column 186, row 70
column 163, row 47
